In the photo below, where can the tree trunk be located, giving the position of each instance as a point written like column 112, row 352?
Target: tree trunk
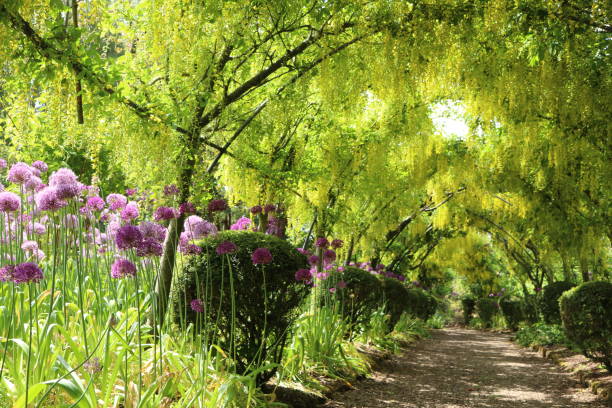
column 584, row 269
column 78, row 88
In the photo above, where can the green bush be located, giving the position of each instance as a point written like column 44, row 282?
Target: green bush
column 421, row 304
column 529, row 305
column 541, row 334
column 396, row 300
column 586, row 313
column 512, row 311
column 468, row 305
column 486, row 309
column 361, row 297
column 549, row 303
column 263, row 312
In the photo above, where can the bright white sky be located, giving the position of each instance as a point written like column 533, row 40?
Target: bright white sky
column 448, row 120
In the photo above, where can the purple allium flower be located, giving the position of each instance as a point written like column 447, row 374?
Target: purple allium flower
column 190, row 249
column 390, row 274
column 123, row 268
column 171, row 190
column 40, row 165
column 130, row 212
column 341, row 285
column 304, row 251
column 62, row 176
column 27, row 272
column 19, row 173
column 332, row 290
column 256, row 209
column 6, row 273
column 242, row 223
column 130, row 191
column 67, row 190
column 29, row 246
column 303, row 275
column 323, row 275
column 226, row 247
column 149, row 247
column 197, row 306
column 273, row 226
column 3, row 164
column 9, row 202
column 322, row 242
column 187, row 208
column 128, row 237
column 33, row 184
column 151, row 230
column 268, row 208
column 337, row 243
column 329, row 256
column 196, row 228
column 165, row 213
column 313, row 260
column 217, row 205
column 95, row 203
column 261, row 256
column 92, row 366
column 37, row 228
column 401, row 278
column 116, row 201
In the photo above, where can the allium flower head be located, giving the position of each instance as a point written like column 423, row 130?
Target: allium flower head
column 36, row 228
column 226, row 247
column 67, row 190
column 6, row 273
column 128, row 237
column 217, row 205
column 197, row 306
column 116, row 201
column 152, row 230
column 93, row 366
column 322, row 242
column 261, row 256
column 123, row 268
column 130, row 212
column 29, row 246
column 329, row 256
column 27, row 272
column 61, row 177
column 165, row 213
column 149, row 247
column 190, row 249
column 171, row 190
column 130, row 191
column 33, row 184
column 337, row 243
column 313, row 260
column 40, row 165
column 9, row 202
column 242, row 223
column 303, row 275
column 268, row 208
column 197, row 228
column 19, row 173
column 95, row 203
column 256, row 209
column 304, row 251
column 187, row 208
column 3, row 164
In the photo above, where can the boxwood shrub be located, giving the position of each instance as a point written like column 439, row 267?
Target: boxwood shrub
column 468, row 305
column 512, row 310
column 549, row 303
column 487, row 308
column 396, row 300
column 361, row 297
column 586, row 313
column 421, row 304
column 263, row 312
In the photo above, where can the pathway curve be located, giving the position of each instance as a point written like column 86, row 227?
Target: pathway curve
column 460, row 368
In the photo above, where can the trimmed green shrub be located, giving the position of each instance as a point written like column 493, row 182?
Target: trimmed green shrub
column 549, row 303
column 487, row 308
column 468, row 305
column 529, row 305
column 421, row 304
column 512, row 310
column 586, row 313
column 541, row 334
column 361, row 297
column 396, row 300
column 263, row 301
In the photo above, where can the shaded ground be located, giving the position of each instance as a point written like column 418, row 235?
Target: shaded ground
column 460, row 368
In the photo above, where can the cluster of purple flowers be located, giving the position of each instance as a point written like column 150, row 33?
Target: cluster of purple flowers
column 27, row 272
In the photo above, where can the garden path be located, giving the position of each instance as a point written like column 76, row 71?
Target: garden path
column 460, row 368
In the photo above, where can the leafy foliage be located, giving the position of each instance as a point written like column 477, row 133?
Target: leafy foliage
column 361, row 297
column 549, row 302
column 586, row 313
column 487, row 308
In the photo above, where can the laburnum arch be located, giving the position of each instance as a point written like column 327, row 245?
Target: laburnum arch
column 324, row 108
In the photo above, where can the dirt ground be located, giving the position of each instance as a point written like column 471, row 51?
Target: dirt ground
column 460, row 368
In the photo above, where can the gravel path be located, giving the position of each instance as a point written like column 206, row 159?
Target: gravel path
column 459, row 368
